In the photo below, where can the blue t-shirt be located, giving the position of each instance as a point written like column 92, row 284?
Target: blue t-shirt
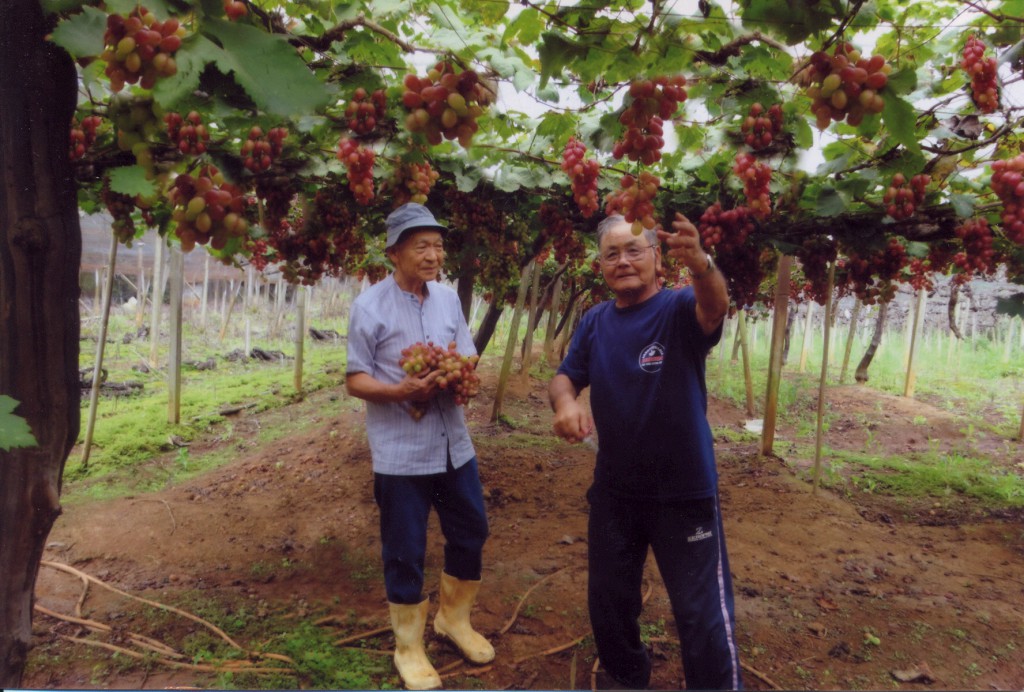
column 645, row 367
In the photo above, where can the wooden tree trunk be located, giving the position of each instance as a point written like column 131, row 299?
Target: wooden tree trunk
column 176, row 274
column 40, row 255
column 780, row 334
column 805, row 345
column 748, row 381
column 862, row 369
column 488, row 324
column 819, row 435
column 915, row 336
column 531, row 324
column 510, row 347
column 549, row 332
column 849, row 339
column 101, row 343
column 300, row 336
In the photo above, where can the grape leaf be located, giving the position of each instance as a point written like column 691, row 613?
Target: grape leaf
column 81, row 34
column 830, row 202
column 14, row 430
column 555, row 53
column 901, row 119
column 131, row 180
column 963, row 205
column 267, row 67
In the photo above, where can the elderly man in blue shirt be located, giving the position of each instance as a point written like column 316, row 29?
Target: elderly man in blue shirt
column 419, row 463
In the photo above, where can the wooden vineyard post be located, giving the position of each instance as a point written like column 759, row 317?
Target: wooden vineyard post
column 510, row 346
column 805, row 347
column 206, row 292
column 1020, row 432
column 177, row 281
column 101, row 341
column 300, row 334
column 849, row 339
column 549, row 331
column 158, row 300
column 723, row 347
column 228, row 310
column 140, row 290
column 819, row 435
column 748, row 381
column 908, row 384
column 775, row 359
column 531, row 324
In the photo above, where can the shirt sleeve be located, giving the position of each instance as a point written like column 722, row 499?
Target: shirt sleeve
column 361, row 344
column 686, row 304
column 576, row 365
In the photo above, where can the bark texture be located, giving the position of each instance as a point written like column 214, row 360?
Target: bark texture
column 40, row 253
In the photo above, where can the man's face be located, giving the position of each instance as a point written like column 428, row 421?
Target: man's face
column 629, row 263
column 418, row 255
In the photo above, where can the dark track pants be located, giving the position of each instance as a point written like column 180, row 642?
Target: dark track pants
column 689, row 547
column 405, row 503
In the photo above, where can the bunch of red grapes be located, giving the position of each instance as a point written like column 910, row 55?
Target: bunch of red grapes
column 414, row 181
column 358, row 162
column 978, row 254
column 235, row 9
column 760, row 128
column 140, row 48
column 846, row 86
column 259, row 150
column 744, row 268
column 327, row 242
column 873, row 275
column 633, row 200
column 756, row 177
column 83, row 135
column 189, row 132
column 120, row 207
column 583, row 174
column 653, row 101
column 559, row 229
column 1008, row 184
column 900, row 201
column 983, row 72
column 364, row 111
column 445, row 104
column 457, row 372
column 275, row 194
column 207, row 209
column 725, row 230
column 815, row 255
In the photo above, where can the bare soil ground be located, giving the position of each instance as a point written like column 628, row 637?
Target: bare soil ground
column 833, row 590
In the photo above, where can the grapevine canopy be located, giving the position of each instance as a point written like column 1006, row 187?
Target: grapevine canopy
column 883, row 133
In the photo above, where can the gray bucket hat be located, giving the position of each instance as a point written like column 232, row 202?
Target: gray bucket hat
column 407, row 217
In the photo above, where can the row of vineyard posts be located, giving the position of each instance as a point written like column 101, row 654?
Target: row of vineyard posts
column 280, row 135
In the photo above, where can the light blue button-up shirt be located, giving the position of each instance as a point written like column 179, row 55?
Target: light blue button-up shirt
column 383, row 320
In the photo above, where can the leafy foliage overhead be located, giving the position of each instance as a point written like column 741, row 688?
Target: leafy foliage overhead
column 863, row 131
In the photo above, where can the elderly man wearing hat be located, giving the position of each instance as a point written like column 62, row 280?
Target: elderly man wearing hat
column 419, row 463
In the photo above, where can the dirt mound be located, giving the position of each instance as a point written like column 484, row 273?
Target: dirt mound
column 832, row 592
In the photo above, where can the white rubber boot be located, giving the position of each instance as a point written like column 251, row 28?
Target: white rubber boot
column 408, row 623
column 452, row 619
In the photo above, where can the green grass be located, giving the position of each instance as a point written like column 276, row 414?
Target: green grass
column 133, row 429
column 927, row 475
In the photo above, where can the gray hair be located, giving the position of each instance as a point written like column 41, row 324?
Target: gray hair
column 610, row 222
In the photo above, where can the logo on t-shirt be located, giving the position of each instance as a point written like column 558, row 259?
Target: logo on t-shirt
column 652, row 357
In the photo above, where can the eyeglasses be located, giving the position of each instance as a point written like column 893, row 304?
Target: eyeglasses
column 631, row 253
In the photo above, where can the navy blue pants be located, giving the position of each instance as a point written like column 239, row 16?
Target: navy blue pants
column 689, row 547
column 405, row 503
